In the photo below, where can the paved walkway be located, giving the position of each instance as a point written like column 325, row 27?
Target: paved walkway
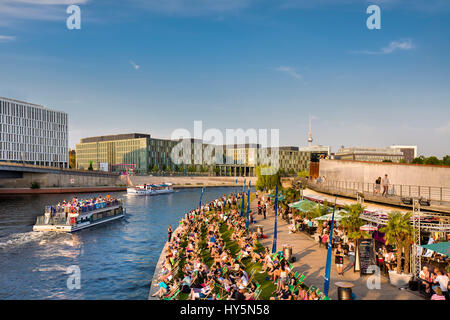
column 311, row 259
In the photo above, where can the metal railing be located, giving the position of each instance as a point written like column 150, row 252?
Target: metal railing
column 395, row 190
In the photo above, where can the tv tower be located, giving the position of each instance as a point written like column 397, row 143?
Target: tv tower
column 310, row 139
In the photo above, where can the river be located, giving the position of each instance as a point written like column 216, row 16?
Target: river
column 116, row 260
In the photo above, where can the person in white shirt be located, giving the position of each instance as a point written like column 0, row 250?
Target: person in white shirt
column 442, row 279
column 385, row 183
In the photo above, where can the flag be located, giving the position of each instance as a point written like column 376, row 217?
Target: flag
column 248, row 204
column 326, row 284
column 274, row 245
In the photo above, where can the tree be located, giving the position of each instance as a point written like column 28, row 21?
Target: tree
column 432, row 160
column 399, row 231
column 387, row 160
column 402, row 161
column 265, row 179
column 163, row 167
column 351, row 221
column 303, row 174
column 418, row 160
column 155, row 168
column 446, row 160
column 90, row 166
column 318, row 211
column 72, row 159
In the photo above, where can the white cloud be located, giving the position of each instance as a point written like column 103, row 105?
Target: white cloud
column 135, row 66
column 290, row 71
column 43, row 10
column 194, row 7
column 7, row 38
column 393, row 46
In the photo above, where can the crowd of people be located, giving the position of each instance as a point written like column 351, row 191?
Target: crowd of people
column 201, row 263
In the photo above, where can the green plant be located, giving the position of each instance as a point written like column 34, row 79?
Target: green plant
column 35, row 185
column 399, row 231
column 351, row 221
column 90, row 166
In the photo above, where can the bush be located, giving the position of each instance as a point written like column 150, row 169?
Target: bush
column 35, row 185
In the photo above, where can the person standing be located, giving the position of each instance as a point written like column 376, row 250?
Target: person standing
column 169, row 231
column 339, row 259
column 385, row 183
column 378, row 185
column 264, row 208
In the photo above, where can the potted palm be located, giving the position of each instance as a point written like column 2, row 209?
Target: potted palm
column 399, row 232
column 351, row 221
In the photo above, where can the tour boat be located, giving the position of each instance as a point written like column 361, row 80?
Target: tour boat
column 150, row 190
column 84, row 215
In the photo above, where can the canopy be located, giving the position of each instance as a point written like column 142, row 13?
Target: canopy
column 280, row 196
column 303, row 205
column 337, row 217
column 368, row 227
column 440, row 247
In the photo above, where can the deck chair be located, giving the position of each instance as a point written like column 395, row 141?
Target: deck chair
column 173, row 293
column 257, row 292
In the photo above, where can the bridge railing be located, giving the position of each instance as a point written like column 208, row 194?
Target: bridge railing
column 431, row 193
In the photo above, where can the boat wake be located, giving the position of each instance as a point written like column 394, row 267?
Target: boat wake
column 18, row 239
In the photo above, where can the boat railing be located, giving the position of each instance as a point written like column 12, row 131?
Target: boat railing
column 83, row 208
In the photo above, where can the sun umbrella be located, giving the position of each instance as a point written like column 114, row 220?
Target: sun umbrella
column 303, row 205
column 368, row 227
column 440, row 247
column 328, row 217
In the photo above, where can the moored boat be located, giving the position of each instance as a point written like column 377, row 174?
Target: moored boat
column 77, row 215
column 150, row 189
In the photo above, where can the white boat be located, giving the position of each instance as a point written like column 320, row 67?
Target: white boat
column 71, row 219
column 150, row 189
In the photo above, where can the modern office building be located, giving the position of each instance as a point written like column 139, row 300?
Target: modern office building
column 33, row 134
column 239, row 160
column 409, row 152
column 291, row 159
column 115, row 153
column 370, row 154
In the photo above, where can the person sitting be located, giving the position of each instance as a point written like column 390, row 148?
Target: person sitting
column 438, row 294
column 425, row 277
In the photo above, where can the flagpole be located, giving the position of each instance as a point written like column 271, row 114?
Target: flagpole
column 326, row 284
column 274, row 245
column 243, row 196
column 200, row 202
column 248, row 205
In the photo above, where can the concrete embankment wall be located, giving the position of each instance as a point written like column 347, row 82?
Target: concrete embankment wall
column 193, row 181
column 401, row 174
column 62, row 180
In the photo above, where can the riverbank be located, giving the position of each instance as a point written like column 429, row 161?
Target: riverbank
column 14, row 191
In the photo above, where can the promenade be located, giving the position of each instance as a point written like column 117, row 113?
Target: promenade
column 311, row 259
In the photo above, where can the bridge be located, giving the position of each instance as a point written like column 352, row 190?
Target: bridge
column 17, row 175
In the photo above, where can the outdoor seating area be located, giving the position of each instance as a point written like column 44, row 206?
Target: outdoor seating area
column 213, row 256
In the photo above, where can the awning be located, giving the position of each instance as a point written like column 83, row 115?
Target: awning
column 440, row 247
column 303, row 205
column 328, row 217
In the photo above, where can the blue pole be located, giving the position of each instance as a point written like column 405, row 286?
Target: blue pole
column 235, row 188
column 200, row 203
column 274, row 245
column 326, row 284
column 248, row 204
column 243, row 196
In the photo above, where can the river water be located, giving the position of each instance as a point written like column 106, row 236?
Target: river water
column 116, row 260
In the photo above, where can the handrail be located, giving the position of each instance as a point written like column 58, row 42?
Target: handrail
column 440, row 194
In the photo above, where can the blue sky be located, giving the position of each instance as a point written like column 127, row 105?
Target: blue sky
column 157, row 65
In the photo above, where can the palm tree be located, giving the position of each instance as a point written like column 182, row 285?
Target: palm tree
column 318, row 211
column 351, row 221
column 399, row 231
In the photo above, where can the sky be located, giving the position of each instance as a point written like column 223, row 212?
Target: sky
column 154, row 66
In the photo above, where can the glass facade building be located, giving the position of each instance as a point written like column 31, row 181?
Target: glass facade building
column 33, row 134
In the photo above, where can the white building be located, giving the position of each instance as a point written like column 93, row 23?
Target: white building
column 33, row 134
